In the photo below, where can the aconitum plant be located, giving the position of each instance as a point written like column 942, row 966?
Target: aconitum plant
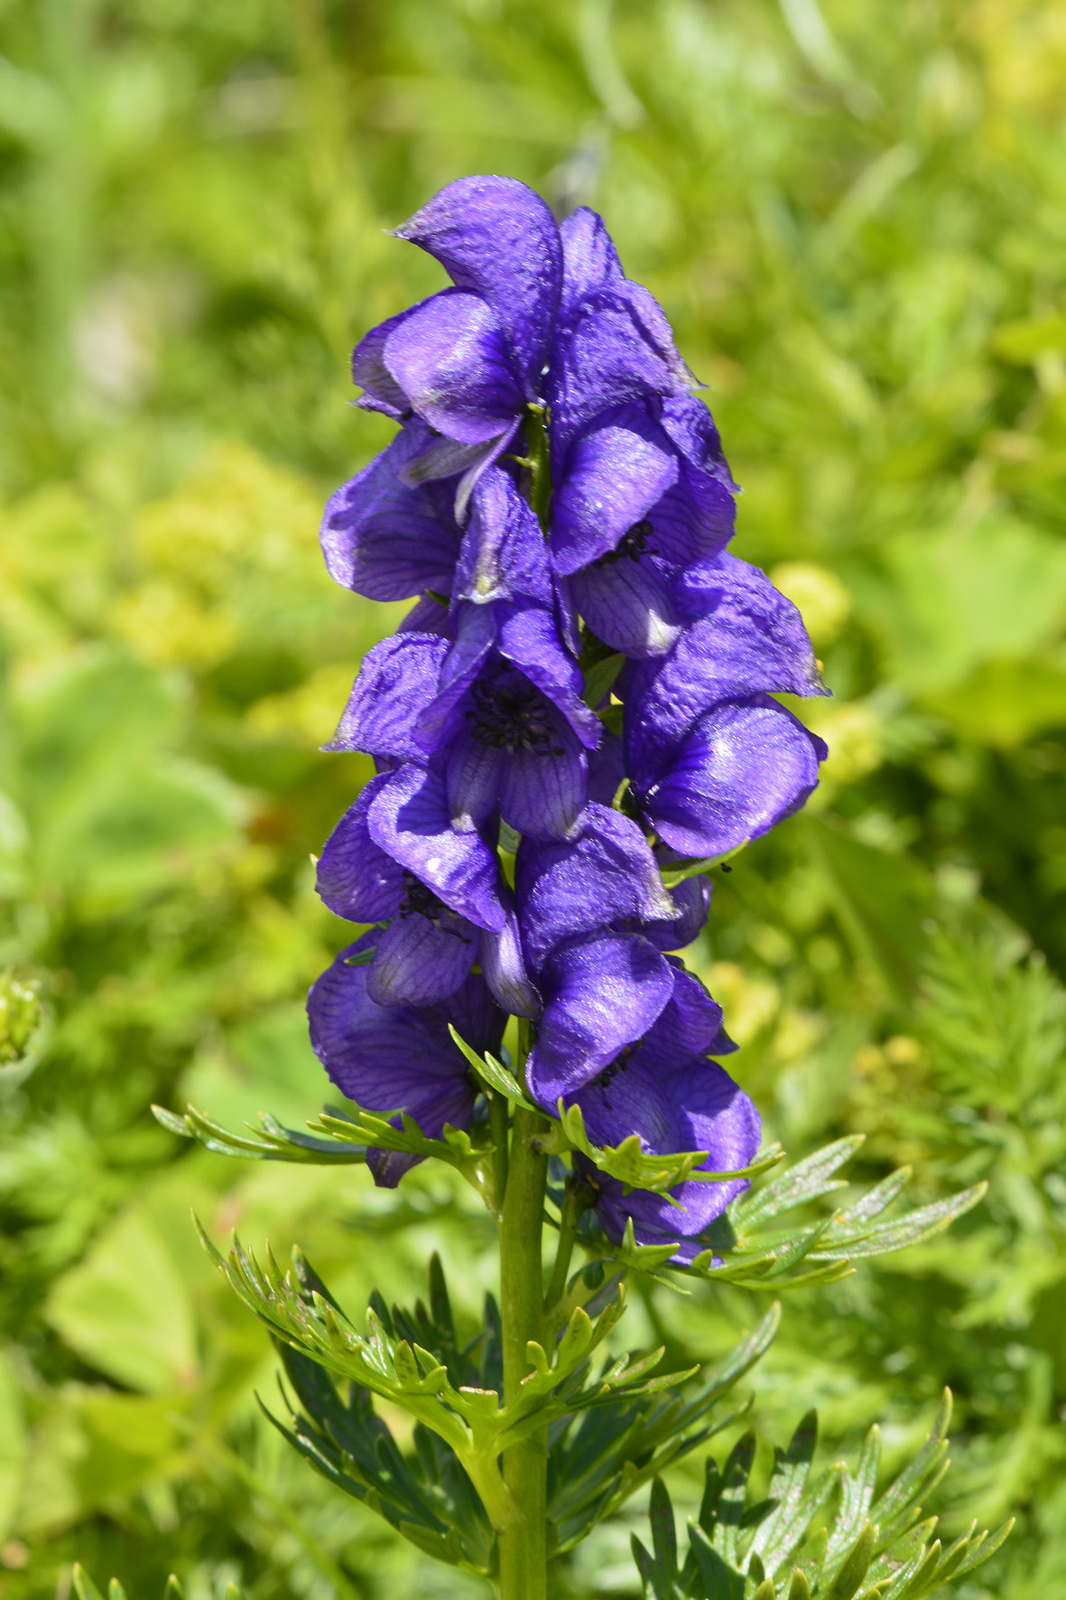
column 572, row 727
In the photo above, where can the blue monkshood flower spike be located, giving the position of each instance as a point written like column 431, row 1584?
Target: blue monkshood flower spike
column 400, row 1058
column 474, row 711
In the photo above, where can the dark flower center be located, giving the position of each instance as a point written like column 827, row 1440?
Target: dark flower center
column 620, row 1064
column 512, row 716
column 420, row 901
column 633, row 544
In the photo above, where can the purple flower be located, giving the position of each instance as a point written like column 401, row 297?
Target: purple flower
column 538, row 313
column 502, row 737
column 474, row 710
column 468, row 360
column 693, row 1105
column 641, row 487
column 595, row 919
column 492, row 700
column 388, row 539
column 391, row 540
column 400, row 1058
column 396, row 859
column 635, row 509
column 667, row 1089
column 613, row 344
column 712, row 760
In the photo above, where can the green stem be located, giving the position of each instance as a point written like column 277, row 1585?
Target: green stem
column 540, row 477
column 523, row 1542
column 498, row 1115
column 571, row 1213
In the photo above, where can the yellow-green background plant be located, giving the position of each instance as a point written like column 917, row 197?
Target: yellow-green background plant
column 855, row 215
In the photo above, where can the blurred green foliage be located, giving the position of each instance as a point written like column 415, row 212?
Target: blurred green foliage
column 854, row 214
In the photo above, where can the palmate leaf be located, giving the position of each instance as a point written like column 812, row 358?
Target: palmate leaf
column 870, row 1549
column 338, row 1139
column 268, row 1140
column 743, row 1249
column 741, row 1246
column 608, row 1435
column 468, row 1416
column 428, row 1497
column 599, row 1459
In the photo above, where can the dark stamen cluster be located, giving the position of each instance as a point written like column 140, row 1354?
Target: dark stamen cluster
column 633, row 544
column 420, row 901
column 512, row 718
column 610, row 1072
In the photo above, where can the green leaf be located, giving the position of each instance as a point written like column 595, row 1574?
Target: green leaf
column 856, row 1565
column 1031, row 338
column 633, row 1166
column 269, row 1141
column 600, row 677
column 126, row 1308
column 494, row 1074
column 883, row 901
column 86, row 1589
column 92, row 1447
column 672, row 876
column 13, row 1442
column 720, row 1579
column 734, row 1541
column 368, row 1128
column 914, row 1228
column 778, row 1534
column 663, row 1532
column 856, row 1495
column 891, row 1510
column 807, row 1180
column 744, row 1251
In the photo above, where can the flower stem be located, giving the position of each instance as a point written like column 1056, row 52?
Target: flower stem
column 523, row 1542
column 498, row 1116
column 538, row 462
column 571, row 1213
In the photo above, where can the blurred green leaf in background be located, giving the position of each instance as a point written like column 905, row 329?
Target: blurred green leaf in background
column 855, row 215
